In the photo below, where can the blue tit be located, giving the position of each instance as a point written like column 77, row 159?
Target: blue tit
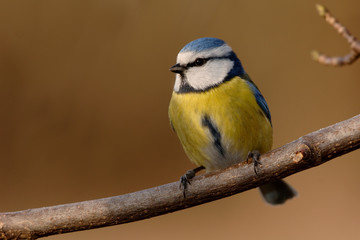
column 219, row 114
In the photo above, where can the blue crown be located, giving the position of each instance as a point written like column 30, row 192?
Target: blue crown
column 203, row 44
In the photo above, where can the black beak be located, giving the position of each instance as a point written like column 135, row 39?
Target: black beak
column 177, row 68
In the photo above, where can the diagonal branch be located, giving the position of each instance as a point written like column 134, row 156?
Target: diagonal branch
column 308, row 151
column 341, row 29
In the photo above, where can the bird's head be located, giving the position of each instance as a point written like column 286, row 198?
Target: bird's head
column 203, row 64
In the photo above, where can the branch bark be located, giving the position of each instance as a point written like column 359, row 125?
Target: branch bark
column 344, row 32
column 308, row 151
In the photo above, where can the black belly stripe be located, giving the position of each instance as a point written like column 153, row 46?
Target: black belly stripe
column 206, row 122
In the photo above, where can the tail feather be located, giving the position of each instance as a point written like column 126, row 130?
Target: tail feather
column 277, row 192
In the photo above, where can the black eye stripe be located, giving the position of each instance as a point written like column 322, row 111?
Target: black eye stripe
column 201, row 61
column 198, row 62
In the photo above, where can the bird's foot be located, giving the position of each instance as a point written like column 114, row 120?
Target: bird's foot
column 255, row 156
column 185, row 179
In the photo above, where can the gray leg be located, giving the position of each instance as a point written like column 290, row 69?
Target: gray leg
column 255, row 155
column 185, row 179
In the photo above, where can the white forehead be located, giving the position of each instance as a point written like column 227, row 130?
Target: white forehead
column 187, row 57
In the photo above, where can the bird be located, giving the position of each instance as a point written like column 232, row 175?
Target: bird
column 219, row 114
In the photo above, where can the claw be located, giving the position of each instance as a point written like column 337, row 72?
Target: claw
column 184, row 182
column 185, row 179
column 255, row 155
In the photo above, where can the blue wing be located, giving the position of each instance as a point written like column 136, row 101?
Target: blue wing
column 260, row 100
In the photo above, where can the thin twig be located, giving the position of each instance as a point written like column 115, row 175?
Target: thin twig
column 341, row 29
column 308, row 151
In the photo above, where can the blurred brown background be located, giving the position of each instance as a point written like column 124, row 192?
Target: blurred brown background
column 85, row 86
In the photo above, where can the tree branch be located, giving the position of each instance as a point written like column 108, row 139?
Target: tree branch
column 308, row 151
column 341, row 29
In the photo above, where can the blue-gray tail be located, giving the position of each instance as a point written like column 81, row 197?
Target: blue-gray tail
column 277, row 192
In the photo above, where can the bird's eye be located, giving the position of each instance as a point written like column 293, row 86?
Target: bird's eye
column 199, row 62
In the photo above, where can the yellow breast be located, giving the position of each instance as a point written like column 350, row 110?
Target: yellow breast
column 218, row 127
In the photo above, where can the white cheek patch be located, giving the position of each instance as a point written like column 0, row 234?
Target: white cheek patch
column 177, row 83
column 187, row 57
column 211, row 74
